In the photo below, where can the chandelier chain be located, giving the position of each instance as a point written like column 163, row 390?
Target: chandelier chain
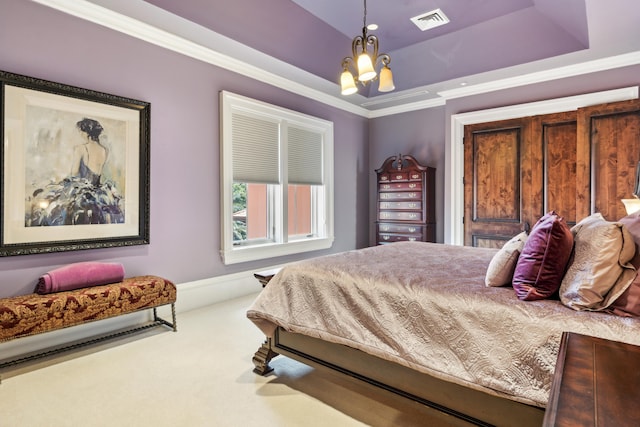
column 364, row 19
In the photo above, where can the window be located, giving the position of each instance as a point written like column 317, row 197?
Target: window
column 276, row 180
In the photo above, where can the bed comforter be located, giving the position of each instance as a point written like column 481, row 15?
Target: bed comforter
column 425, row 306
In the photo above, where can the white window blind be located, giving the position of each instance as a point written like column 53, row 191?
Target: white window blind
column 255, row 149
column 305, row 156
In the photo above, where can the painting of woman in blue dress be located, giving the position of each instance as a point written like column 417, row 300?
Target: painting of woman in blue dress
column 83, row 197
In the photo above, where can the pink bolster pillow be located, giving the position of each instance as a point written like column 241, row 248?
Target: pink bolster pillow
column 80, row 275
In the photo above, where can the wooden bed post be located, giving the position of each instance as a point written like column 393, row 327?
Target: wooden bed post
column 262, row 358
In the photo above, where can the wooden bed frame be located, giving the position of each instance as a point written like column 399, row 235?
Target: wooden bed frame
column 471, row 407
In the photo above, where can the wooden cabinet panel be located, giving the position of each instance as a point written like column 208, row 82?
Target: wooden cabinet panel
column 595, row 383
column 554, row 136
column 406, row 201
column 493, row 181
column 611, row 135
column 496, row 175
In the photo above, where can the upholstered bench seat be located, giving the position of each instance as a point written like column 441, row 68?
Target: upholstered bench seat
column 34, row 313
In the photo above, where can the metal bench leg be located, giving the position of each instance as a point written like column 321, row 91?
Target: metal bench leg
column 158, row 319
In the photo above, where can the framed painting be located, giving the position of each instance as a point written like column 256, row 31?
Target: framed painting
column 75, row 168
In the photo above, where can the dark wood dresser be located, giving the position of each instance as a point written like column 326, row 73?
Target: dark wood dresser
column 406, row 201
column 596, row 383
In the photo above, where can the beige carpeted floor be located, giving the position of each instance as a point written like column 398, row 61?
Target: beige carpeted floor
column 200, row 376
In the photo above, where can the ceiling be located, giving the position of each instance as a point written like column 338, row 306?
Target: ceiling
column 481, row 35
column 485, row 39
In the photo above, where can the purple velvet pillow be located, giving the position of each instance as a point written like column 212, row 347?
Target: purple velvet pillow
column 543, row 259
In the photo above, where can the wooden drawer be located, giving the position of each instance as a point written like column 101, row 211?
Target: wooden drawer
column 400, row 216
column 400, row 186
column 389, row 232
column 399, row 176
column 401, row 195
column 406, row 206
column 390, row 238
column 384, row 227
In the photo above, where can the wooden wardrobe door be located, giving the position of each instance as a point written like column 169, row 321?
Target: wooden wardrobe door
column 553, row 167
column 609, row 150
column 495, row 155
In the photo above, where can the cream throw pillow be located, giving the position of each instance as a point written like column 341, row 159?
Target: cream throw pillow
column 503, row 263
column 600, row 271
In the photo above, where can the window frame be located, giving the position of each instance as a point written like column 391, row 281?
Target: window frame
column 322, row 202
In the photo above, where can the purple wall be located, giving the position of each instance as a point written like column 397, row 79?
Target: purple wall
column 185, row 221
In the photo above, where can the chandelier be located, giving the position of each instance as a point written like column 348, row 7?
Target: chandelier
column 364, row 61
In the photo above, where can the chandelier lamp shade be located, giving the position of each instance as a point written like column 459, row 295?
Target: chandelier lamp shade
column 363, row 61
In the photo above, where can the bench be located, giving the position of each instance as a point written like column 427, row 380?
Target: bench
column 266, row 275
column 33, row 314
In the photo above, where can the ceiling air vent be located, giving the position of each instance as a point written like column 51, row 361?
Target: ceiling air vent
column 429, row 20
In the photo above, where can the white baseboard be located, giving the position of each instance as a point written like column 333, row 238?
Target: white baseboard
column 191, row 296
column 205, row 292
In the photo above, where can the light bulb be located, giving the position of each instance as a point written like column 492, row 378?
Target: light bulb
column 347, row 83
column 365, row 68
column 386, row 80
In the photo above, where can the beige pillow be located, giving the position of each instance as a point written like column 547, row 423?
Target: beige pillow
column 503, row 263
column 600, row 270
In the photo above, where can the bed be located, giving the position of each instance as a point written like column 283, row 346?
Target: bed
column 417, row 319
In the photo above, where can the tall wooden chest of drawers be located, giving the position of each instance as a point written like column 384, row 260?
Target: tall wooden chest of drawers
column 406, row 201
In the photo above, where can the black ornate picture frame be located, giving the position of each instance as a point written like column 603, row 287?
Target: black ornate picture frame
column 75, row 168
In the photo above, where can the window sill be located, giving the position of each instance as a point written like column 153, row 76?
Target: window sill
column 272, row 250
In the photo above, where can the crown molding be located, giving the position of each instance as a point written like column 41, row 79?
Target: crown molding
column 410, row 106
column 111, row 17
column 592, row 66
column 149, row 23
